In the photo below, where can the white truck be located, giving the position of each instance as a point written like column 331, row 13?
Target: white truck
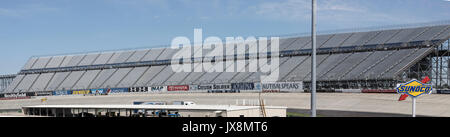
column 185, row 103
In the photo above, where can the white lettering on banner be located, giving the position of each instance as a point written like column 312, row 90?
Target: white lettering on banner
column 158, row 89
column 222, row 86
column 44, row 93
column 204, row 87
column 15, row 95
column 283, row 86
column 211, row 87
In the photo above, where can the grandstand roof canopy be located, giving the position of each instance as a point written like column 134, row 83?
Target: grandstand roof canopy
column 372, row 55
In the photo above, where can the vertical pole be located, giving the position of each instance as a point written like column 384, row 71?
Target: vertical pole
column 313, row 60
column 413, row 107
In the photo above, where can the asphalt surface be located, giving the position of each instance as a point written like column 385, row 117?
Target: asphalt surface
column 338, row 113
column 328, row 104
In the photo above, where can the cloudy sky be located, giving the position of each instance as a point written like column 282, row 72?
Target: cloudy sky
column 47, row 27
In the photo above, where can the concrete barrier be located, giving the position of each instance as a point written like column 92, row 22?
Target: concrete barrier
column 348, row 90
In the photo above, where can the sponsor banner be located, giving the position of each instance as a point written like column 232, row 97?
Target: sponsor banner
column 60, row 93
column 14, row 98
column 15, row 95
column 221, row 87
column 224, row 91
column 158, row 89
column 118, row 90
column 99, row 91
column 140, row 89
column 81, row 92
column 282, row 87
column 193, row 87
column 44, row 93
column 30, row 94
column 178, row 88
column 204, row 87
column 149, row 103
column 443, row 91
column 243, row 86
column 258, row 87
column 379, row 91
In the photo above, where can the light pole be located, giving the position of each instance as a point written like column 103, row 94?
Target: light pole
column 413, row 106
column 313, row 59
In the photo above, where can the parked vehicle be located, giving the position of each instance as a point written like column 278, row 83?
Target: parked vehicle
column 185, row 103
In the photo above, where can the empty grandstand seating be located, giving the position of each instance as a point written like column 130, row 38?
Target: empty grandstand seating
column 346, row 56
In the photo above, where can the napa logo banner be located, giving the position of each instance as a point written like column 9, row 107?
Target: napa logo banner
column 414, row 88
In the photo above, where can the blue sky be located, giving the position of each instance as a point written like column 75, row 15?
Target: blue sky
column 46, row 27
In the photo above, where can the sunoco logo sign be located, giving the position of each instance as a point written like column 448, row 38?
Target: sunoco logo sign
column 414, row 88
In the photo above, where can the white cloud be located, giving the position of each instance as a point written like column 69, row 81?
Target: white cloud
column 328, row 10
column 339, row 5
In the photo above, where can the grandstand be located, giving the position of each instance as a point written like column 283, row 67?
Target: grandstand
column 376, row 59
column 5, row 80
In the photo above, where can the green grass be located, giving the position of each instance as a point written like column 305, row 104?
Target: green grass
column 292, row 114
column 11, row 111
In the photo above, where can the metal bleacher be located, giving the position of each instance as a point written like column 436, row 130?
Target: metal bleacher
column 5, row 80
column 353, row 56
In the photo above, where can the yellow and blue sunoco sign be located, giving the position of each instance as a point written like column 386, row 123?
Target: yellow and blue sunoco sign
column 414, row 88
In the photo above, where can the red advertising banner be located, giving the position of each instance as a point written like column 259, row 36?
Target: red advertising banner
column 178, row 88
column 15, row 98
column 379, row 91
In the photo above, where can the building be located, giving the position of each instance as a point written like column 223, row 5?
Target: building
column 153, row 111
column 376, row 59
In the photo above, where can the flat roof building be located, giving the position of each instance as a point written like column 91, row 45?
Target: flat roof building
column 154, row 111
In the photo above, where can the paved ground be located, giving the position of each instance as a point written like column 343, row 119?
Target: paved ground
column 340, row 113
column 339, row 103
